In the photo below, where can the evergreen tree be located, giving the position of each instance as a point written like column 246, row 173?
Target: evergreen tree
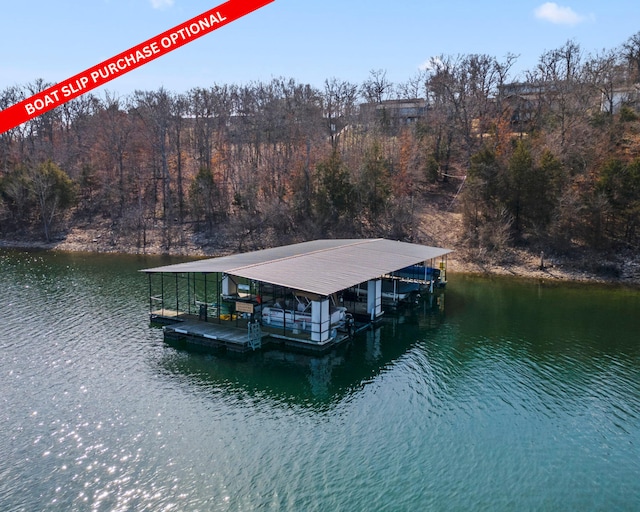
column 53, row 191
column 334, row 193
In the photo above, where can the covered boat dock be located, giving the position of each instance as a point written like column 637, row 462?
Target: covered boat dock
column 310, row 295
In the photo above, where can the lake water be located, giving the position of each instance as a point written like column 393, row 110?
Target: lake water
column 513, row 395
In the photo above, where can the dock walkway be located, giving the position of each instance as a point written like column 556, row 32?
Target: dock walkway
column 211, row 335
column 235, row 338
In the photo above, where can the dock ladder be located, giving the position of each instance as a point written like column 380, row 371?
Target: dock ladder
column 254, row 335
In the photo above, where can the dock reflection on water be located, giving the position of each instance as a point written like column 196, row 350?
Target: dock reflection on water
column 301, row 377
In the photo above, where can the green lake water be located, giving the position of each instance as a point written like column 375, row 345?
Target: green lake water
column 509, row 395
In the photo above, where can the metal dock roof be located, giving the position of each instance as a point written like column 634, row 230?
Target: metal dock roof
column 321, row 267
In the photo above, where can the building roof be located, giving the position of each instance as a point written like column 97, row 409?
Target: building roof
column 321, row 267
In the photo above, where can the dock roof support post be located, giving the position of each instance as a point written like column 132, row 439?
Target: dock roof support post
column 189, row 292
column 218, row 296
column 374, row 298
column 206, row 301
column 443, row 269
column 320, row 320
column 177, row 295
column 162, row 291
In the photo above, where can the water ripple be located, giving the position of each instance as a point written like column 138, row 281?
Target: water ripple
column 473, row 412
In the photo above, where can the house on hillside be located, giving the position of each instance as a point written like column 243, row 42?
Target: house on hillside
column 394, row 114
column 522, row 100
column 612, row 100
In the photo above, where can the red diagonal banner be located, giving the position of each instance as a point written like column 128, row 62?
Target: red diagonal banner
column 126, row 61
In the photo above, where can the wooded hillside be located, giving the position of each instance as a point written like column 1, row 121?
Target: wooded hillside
column 550, row 161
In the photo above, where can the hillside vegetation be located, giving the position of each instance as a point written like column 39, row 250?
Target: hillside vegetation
column 461, row 155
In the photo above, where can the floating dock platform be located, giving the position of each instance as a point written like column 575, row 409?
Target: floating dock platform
column 308, row 296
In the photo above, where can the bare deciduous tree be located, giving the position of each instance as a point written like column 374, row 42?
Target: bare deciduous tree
column 377, row 87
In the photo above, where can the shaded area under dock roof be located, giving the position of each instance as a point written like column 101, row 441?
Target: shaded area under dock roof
column 321, row 267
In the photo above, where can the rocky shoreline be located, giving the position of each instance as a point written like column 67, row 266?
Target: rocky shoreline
column 527, row 266
column 519, row 264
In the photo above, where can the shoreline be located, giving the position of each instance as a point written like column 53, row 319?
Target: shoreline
column 553, row 273
column 522, row 265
